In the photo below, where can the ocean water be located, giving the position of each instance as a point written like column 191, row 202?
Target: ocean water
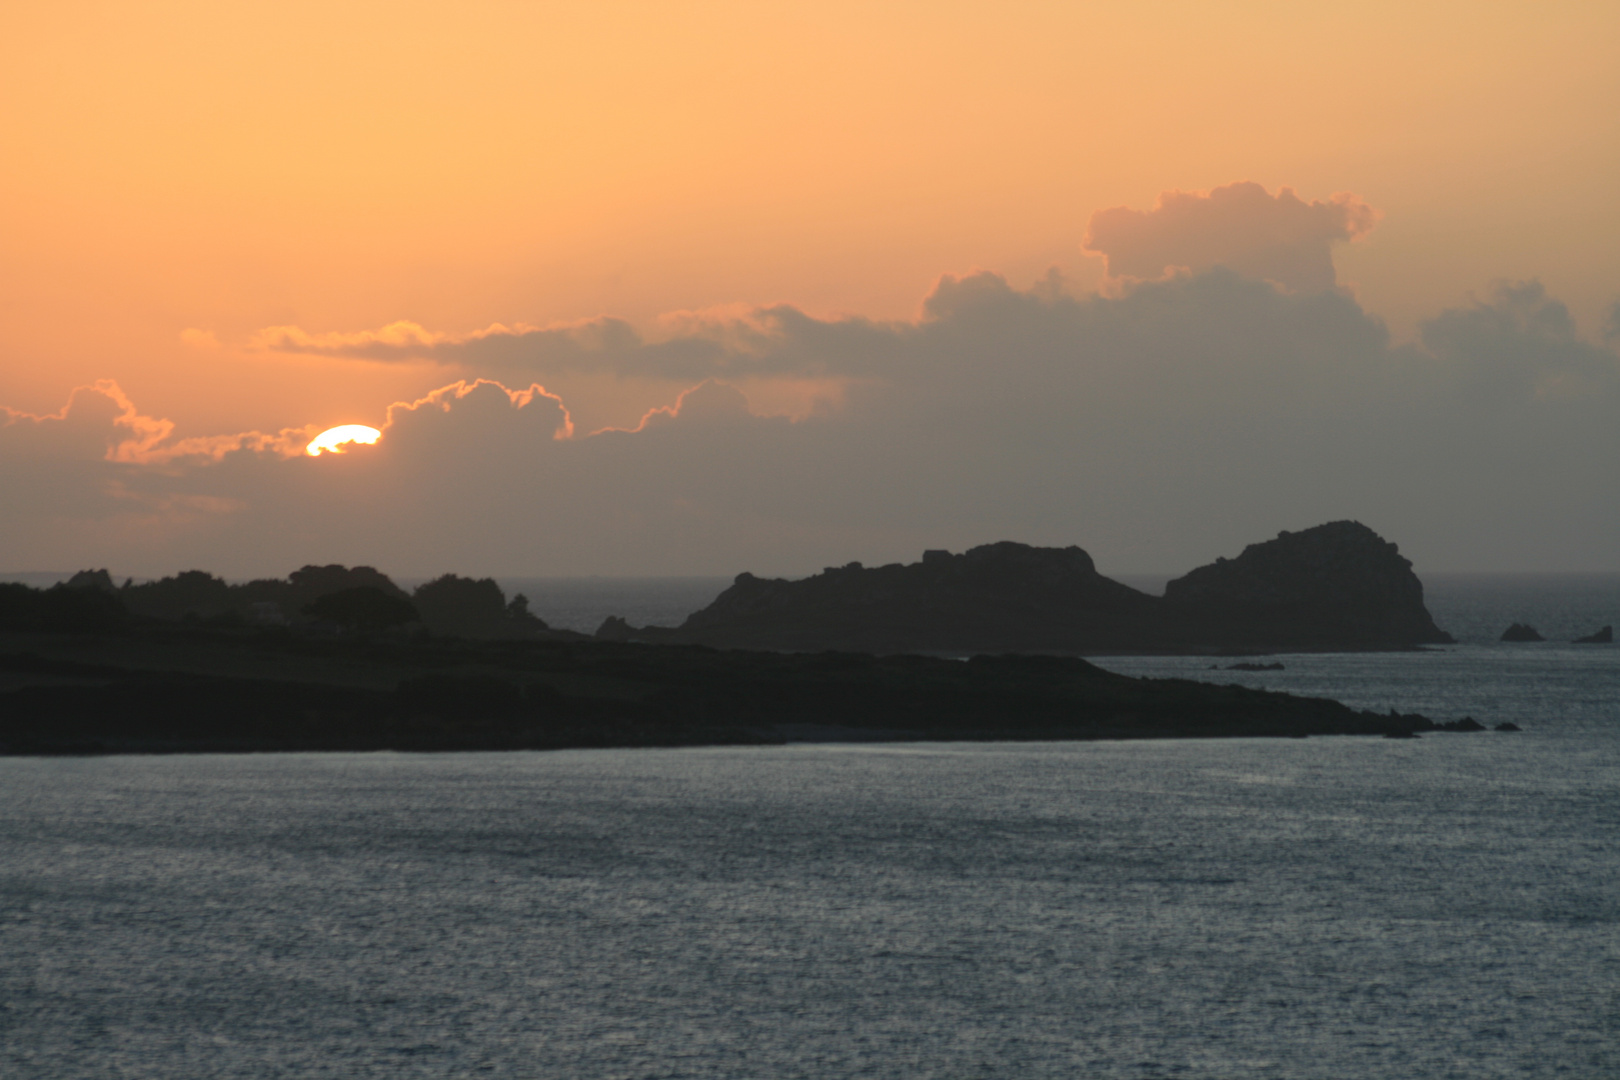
column 1334, row 908
column 1323, row 908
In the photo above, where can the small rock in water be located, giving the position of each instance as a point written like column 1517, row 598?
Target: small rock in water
column 1507, row 725
column 1521, row 632
column 1604, row 636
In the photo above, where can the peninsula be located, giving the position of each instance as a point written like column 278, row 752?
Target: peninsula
column 356, row 668
column 340, row 658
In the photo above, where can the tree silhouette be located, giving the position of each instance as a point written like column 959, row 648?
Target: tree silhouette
column 60, row 608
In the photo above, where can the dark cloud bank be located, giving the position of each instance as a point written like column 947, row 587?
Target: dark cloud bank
column 1158, row 428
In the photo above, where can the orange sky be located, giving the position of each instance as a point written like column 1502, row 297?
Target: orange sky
column 228, row 167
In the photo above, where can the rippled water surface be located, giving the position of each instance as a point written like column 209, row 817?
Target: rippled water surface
column 1324, row 908
column 1311, row 908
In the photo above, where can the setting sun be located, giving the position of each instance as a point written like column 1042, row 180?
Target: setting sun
column 333, row 439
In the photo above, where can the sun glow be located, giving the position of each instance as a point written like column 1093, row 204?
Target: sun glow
column 332, row 440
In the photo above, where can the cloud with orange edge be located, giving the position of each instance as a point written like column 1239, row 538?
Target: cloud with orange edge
column 1201, row 409
column 100, row 420
column 1278, row 238
column 733, row 343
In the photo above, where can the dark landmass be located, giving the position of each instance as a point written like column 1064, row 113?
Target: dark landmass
column 1521, row 632
column 190, row 688
column 1336, row 587
column 339, row 596
column 335, row 658
column 1604, row 636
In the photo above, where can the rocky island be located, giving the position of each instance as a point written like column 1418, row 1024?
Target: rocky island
column 1337, row 586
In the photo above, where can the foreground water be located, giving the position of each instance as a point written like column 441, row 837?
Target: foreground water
column 1315, row 908
column 1322, row 908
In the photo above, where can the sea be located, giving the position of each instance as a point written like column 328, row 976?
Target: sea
column 1335, row 908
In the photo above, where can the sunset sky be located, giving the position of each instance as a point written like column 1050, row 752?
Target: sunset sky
column 1157, row 279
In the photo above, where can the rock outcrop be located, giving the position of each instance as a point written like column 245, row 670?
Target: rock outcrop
column 1522, row 632
column 1337, row 586
column 92, row 579
column 1001, row 598
column 1604, row 636
column 463, row 607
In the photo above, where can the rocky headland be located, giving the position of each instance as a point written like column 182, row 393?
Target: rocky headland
column 336, row 658
column 1337, row 586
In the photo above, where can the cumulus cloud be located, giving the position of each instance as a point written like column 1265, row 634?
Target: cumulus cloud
column 1517, row 342
column 100, row 421
column 1279, row 238
column 1157, row 428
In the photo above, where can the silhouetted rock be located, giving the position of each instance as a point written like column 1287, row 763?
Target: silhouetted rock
column 1467, row 723
column 1506, row 725
column 464, row 607
column 615, row 628
column 1337, row 586
column 1003, row 597
column 364, row 607
column 92, row 579
column 1254, row 667
column 1604, row 636
column 1521, row 632
column 520, row 619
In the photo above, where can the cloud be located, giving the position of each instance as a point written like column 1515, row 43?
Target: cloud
column 1239, row 227
column 100, row 422
column 1278, row 238
column 751, row 343
column 1519, row 342
column 1156, row 428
